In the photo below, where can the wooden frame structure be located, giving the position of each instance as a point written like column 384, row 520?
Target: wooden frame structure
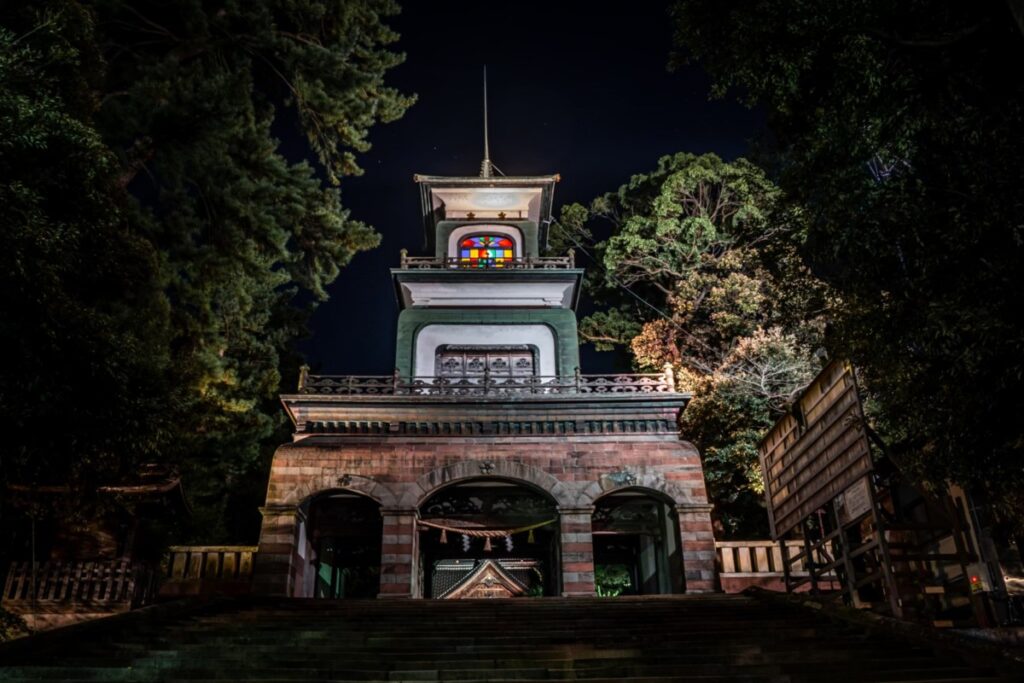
column 894, row 548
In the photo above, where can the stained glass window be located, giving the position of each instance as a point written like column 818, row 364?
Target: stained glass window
column 486, row 251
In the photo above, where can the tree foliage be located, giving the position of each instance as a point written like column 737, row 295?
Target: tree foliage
column 180, row 106
column 84, row 392
column 720, row 294
column 899, row 133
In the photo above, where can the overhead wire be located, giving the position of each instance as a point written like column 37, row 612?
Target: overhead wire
column 618, row 283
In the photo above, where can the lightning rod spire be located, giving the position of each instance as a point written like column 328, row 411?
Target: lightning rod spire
column 486, row 165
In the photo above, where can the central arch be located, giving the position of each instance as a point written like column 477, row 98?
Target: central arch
column 489, row 536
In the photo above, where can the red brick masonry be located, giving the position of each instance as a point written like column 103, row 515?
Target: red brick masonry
column 400, row 472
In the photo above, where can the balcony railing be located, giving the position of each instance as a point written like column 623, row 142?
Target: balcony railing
column 486, row 384
column 519, row 263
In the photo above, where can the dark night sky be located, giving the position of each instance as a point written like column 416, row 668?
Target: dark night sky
column 582, row 93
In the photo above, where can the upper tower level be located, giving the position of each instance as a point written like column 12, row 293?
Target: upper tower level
column 514, row 212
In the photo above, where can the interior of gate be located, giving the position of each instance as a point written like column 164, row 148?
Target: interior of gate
column 488, row 538
column 344, row 546
column 636, row 546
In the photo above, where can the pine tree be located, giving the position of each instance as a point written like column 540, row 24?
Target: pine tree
column 187, row 100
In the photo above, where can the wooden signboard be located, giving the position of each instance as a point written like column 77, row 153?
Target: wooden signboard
column 816, row 452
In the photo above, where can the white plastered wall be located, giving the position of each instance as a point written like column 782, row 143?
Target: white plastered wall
column 433, row 336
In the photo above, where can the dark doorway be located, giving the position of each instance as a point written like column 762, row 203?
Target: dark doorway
column 522, row 537
column 636, row 546
column 345, row 546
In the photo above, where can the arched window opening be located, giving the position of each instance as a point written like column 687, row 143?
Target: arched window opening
column 636, row 546
column 345, row 546
column 486, row 251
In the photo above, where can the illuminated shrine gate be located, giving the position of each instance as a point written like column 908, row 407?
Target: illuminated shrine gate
column 486, row 427
column 488, row 538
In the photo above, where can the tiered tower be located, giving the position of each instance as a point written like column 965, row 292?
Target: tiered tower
column 486, row 465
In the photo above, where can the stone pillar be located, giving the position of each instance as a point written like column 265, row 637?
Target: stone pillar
column 698, row 545
column 279, row 569
column 399, row 554
column 577, row 551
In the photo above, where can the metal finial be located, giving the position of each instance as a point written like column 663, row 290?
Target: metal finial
column 485, row 165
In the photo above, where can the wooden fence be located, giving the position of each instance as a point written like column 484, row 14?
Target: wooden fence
column 195, row 569
column 759, row 563
column 103, row 583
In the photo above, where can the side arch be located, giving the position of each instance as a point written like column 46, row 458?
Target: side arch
column 466, row 470
column 331, row 481
column 647, row 482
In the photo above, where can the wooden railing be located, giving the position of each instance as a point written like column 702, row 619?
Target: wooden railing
column 486, row 384
column 194, row 569
column 518, row 263
column 101, row 583
column 750, row 559
column 745, row 558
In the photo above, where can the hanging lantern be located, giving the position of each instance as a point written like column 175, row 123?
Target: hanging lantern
column 508, row 544
column 465, row 543
column 487, row 544
column 444, row 535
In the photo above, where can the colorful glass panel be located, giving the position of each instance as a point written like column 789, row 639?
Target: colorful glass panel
column 486, row 251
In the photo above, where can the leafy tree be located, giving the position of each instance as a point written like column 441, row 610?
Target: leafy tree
column 84, row 392
column 720, row 294
column 186, row 100
column 899, row 133
column 196, row 92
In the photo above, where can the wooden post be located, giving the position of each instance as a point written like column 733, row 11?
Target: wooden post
column 981, row 615
column 848, row 570
column 888, row 580
column 787, row 579
column 811, row 564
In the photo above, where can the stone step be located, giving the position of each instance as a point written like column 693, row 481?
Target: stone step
column 627, row 641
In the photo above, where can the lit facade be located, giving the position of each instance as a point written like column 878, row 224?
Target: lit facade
column 487, row 465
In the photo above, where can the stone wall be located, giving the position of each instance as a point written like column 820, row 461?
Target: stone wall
column 401, row 472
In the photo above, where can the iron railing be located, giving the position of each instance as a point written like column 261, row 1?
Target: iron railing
column 517, row 263
column 485, row 384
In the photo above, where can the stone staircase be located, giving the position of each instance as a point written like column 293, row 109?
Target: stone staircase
column 704, row 639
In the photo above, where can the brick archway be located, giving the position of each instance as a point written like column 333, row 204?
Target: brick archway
column 442, row 477
column 329, row 481
column 653, row 484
